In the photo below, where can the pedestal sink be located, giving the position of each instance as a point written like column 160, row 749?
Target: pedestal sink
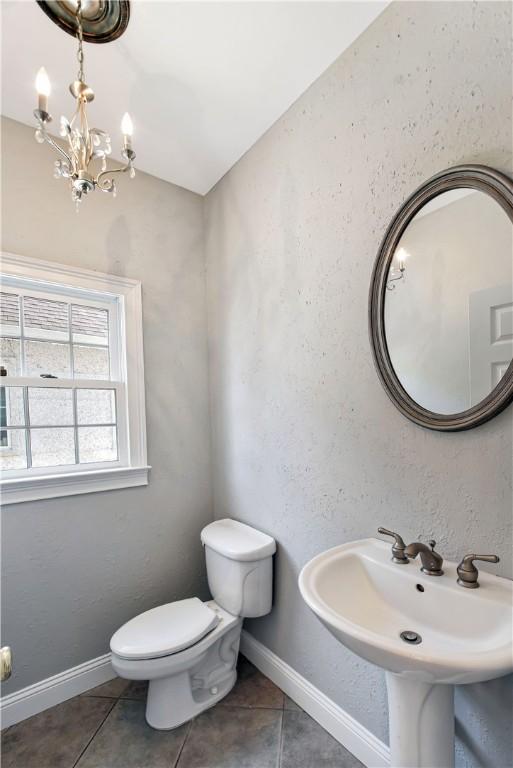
column 453, row 636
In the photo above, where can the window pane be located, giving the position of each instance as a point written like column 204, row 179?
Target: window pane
column 97, row 444
column 12, row 412
column 13, row 449
column 44, row 357
column 90, row 324
column 90, row 362
column 45, row 319
column 10, row 356
column 96, row 406
column 10, row 314
column 52, row 447
column 49, row 406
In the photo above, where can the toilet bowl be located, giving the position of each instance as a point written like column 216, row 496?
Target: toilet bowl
column 188, row 649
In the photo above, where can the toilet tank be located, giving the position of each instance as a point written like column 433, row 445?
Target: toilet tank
column 239, row 567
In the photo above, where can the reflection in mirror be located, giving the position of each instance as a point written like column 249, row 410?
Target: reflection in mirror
column 449, row 301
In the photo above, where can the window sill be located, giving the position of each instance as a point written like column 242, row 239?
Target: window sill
column 52, row 486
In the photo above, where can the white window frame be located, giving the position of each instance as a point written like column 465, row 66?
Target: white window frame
column 126, row 349
column 4, row 429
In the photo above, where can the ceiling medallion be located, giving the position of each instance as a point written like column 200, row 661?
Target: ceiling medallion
column 84, row 159
column 102, row 20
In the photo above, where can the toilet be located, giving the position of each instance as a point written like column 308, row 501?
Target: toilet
column 188, row 649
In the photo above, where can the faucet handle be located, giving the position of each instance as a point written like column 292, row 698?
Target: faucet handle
column 467, row 571
column 398, row 546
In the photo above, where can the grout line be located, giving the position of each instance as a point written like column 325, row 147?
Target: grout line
column 91, row 695
column 280, row 751
column 248, row 706
column 114, row 702
column 131, row 698
column 127, row 696
column 97, row 696
column 175, row 764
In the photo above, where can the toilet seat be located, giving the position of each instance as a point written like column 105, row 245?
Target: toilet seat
column 165, row 630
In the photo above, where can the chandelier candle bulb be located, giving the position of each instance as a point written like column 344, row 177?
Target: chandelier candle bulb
column 127, row 130
column 402, row 256
column 43, row 89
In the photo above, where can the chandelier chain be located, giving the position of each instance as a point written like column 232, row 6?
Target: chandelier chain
column 80, row 52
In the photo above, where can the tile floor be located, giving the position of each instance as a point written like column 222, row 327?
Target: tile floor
column 255, row 726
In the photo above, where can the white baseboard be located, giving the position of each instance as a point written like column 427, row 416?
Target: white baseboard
column 47, row 693
column 344, row 728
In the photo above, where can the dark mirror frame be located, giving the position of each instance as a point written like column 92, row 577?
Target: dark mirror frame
column 500, row 188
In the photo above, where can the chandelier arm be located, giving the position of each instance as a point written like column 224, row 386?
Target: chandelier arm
column 108, row 172
column 88, row 142
column 83, row 136
column 59, row 149
column 75, row 114
column 395, row 275
column 71, row 137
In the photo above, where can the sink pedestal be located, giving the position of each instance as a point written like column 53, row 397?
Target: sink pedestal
column 421, row 717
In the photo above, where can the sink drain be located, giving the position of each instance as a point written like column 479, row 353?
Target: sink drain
column 410, row 637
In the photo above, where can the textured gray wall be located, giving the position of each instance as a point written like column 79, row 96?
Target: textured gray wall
column 75, row 568
column 306, row 444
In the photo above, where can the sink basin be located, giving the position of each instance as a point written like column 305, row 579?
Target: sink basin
column 366, row 601
column 466, row 636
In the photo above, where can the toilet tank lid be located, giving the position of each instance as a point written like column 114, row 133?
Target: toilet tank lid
column 237, row 541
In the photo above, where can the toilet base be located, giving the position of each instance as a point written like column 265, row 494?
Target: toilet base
column 170, row 705
column 176, row 698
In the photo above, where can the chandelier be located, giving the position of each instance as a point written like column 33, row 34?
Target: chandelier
column 83, row 158
column 395, row 273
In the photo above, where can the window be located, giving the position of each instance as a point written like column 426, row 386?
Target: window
column 71, row 414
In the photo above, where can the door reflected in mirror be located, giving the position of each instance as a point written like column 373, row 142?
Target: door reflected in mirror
column 448, row 310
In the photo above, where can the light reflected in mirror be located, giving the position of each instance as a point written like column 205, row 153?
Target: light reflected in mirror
column 449, row 301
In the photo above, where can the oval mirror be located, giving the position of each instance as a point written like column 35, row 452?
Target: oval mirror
column 441, row 302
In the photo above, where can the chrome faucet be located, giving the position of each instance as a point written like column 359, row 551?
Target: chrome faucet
column 398, row 547
column 431, row 561
column 467, row 571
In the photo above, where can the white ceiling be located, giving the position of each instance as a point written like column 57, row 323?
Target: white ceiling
column 202, row 80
